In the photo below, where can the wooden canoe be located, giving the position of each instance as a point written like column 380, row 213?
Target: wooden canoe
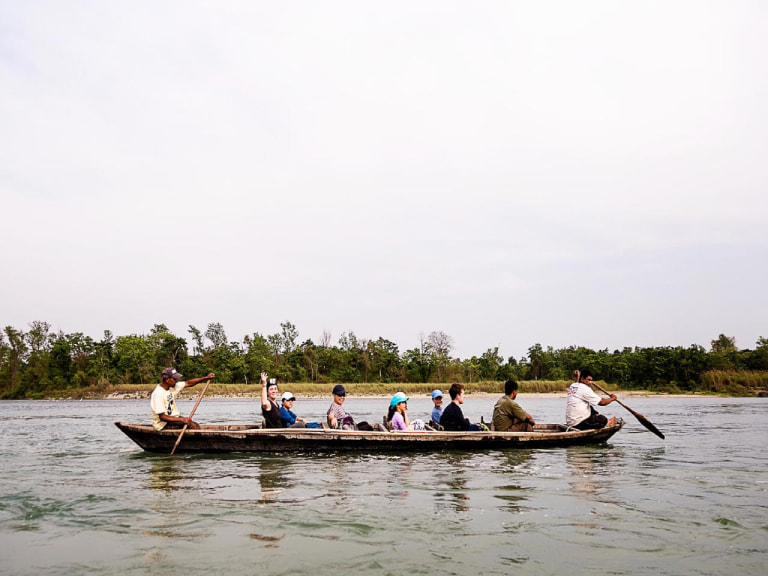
column 252, row 438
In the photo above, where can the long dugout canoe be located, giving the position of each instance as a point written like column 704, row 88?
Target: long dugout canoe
column 252, row 438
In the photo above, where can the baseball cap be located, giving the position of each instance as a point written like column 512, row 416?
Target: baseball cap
column 397, row 398
column 437, row 394
column 338, row 390
column 171, row 373
column 287, row 396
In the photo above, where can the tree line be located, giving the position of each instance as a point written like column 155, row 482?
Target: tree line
column 40, row 360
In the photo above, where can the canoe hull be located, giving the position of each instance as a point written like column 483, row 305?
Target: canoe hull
column 244, row 438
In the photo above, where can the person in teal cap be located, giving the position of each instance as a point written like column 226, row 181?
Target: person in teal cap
column 398, row 414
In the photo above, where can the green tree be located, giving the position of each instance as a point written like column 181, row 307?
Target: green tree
column 489, row 364
column 40, row 343
column 17, row 351
column 441, row 346
column 61, row 364
column 134, row 360
column 724, row 352
column 288, row 336
column 258, row 355
column 216, row 334
column 419, row 362
column 758, row 360
column 384, row 359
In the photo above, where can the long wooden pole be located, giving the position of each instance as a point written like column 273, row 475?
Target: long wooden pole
column 199, row 398
column 642, row 419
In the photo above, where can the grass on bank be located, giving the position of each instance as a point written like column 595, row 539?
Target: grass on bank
column 309, row 389
column 735, row 382
column 716, row 382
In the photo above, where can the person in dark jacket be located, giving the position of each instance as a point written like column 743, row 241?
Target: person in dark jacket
column 453, row 419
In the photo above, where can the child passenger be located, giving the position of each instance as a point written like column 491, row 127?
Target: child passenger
column 398, row 415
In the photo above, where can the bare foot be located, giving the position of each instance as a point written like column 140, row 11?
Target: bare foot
column 612, row 421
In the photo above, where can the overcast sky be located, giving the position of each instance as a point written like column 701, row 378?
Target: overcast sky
column 568, row 173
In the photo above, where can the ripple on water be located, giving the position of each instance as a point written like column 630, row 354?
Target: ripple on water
column 76, row 496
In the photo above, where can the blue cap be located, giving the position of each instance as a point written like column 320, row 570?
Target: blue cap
column 397, row 398
column 437, row 394
column 338, row 390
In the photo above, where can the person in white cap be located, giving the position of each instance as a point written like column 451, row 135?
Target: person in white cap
column 290, row 420
column 163, row 400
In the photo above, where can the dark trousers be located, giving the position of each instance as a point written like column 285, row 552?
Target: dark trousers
column 593, row 422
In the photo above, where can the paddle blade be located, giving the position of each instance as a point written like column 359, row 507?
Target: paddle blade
column 644, row 421
column 648, row 424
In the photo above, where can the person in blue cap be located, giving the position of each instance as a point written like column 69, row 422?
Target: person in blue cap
column 437, row 400
column 398, row 414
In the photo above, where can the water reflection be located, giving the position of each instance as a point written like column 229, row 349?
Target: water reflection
column 453, row 477
column 275, row 475
column 512, row 466
column 593, row 472
column 399, row 477
column 164, row 474
column 582, row 469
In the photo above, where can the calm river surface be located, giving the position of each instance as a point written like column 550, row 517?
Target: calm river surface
column 78, row 497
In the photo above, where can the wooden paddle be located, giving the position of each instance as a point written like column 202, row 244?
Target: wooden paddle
column 202, row 392
column 643, row 420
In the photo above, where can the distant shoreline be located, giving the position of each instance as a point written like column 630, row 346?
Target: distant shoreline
column 191, row 393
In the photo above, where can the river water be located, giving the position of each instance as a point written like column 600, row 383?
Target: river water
column 78, row 497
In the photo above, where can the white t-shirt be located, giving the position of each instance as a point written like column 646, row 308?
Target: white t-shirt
column 162, row 401
column 580, row 396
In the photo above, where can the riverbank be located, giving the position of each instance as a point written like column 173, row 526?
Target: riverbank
column 620, row 394
column 530, row 389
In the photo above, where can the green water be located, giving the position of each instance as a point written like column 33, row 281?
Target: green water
column 78, row 497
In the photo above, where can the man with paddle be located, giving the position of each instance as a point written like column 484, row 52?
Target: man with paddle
column 580, row 407
column 165, row 414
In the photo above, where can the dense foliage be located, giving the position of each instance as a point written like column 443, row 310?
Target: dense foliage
column 37, row 361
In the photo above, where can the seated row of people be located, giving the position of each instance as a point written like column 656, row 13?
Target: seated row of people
column 508, row 415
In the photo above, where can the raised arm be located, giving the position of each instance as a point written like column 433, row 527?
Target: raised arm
column 265, row 403
column 196, row 381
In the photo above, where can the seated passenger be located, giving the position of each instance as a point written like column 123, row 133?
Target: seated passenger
column 437, row 400
column 337, row 416
column 290, row 420
column 398, row 415
column 269, row 408
column 508, row 416
column 453, row 419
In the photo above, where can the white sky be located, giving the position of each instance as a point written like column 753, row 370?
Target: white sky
column 569, row 173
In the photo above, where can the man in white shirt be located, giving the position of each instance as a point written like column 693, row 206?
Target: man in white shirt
column 163, row 400
column 580, row 407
